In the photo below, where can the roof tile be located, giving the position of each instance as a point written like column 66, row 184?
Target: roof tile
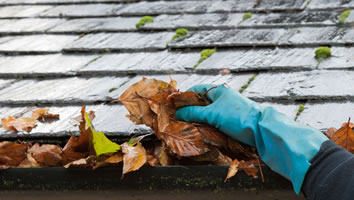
column 47, row 65
column 35, row 43
column 85, row 10
column 230, row 38
column 142, row 63
column 22, row 11
column 261, row 59
column 200, row 21
column 326, row 115
column 303, row 85
column 121, row 42
column 87, row 25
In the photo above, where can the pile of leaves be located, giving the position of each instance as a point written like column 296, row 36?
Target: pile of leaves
column 90, row 149
column 154, row 103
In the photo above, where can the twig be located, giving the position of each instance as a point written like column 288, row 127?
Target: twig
column 260, row 170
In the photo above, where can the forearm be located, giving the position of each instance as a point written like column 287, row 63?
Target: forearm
column 331, row 175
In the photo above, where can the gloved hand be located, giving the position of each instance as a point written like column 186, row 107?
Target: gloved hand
column 283, row 144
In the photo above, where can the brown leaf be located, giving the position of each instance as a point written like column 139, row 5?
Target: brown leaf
column 46, row 154
column 134, row 157
column 83, row 142
column 164, row 157
column 12, row 154
column 184, row 139
column 249, row 168
column 83, row 162
column 152, row 160
column 344, row 136
column 44, row 116
column 20, row 124
column 214, row 156
column 188, row 98
column 212, row 135
column 29, row 161
column 233, row 169
column 79, row 147
column 71, row 153
column 112, row 160
column 134, row 99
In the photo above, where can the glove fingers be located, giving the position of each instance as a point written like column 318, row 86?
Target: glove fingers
column 193, row 114
column 206, row 88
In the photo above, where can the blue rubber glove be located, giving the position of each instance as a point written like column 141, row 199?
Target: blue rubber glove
column 283, row 144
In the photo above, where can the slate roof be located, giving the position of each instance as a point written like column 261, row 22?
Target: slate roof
column 64, row 54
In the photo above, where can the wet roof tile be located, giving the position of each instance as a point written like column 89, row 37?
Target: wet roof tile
column 120, row 42
column 36, row 43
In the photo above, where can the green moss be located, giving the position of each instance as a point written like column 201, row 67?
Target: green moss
column 322, row 53
column 307, row 3
column 206, row 53
column 248, row 83
column 112, row 89
column 299, row 110
column 144, row 20
column 180, row 33
column 343, row 16
column 246, row 16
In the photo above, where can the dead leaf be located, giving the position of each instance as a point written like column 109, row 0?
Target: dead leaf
column 249, row 168
column 134, row 157
column 188, row 98
column 20, row 124
column 212, row 135
column 71, row 153
column 83, row 162
column 344, row 136
column 46, row 154
column 12, row 153
column 43, row 115
column 184, row 139
column 28, row 162
column 112, row 160
column 233, row 169
column 83, row 143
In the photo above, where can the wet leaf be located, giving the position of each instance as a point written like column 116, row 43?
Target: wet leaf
column 214, row 156
column 344, row 136
column 135, row 100
column 233, row 169
column 83, row 162
column 188, row 98
column 112, row 160
column 249, row 168
column 12, row 153
column 43, row 115
column 183, row 139
column 28, row 162
column 20, row 124
column 212, row 135
column 46, row 154
column 84, row 142
column 133, row 158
